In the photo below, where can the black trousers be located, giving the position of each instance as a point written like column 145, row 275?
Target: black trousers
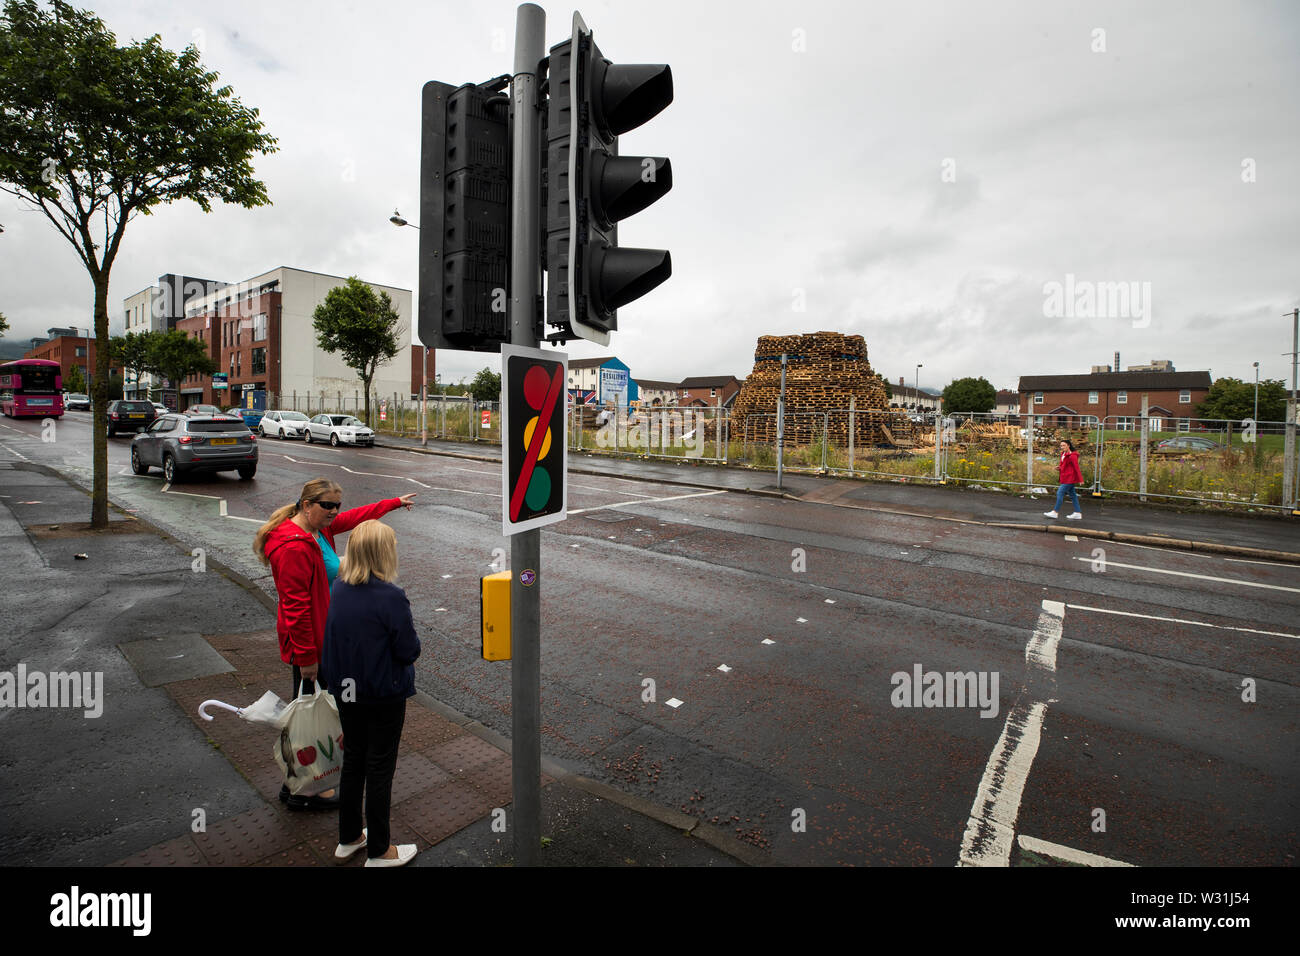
column 372, row 731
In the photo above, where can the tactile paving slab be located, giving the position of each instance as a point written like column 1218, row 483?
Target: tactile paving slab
column 438, row 813
column 464, row 754
column 244, row 839
column 424, row 729
column 178, row 852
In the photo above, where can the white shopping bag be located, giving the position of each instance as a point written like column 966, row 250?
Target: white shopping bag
column 310, row 748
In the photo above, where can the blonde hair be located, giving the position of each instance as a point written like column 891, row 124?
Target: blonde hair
column 372, row 551
column 310, row 492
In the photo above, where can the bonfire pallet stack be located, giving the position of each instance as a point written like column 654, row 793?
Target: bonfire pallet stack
column 823, row 371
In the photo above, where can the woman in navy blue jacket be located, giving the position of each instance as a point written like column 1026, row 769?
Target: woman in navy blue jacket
column 370, row 649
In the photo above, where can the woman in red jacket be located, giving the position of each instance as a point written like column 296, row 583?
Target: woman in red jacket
column 298, row 544
column 1070, row 476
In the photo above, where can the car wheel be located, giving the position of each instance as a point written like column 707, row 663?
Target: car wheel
column 111, row 433
column 334, row 439
column 247, row 472
column 261, row 432
column 169, row 469
column 307, row 437
column 137, row 466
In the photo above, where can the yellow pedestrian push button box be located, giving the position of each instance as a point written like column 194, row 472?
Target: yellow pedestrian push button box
column 496, row 616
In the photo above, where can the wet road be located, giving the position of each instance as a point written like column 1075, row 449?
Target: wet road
column 1145, row 702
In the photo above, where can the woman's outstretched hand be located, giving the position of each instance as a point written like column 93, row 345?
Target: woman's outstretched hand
column 406, row 500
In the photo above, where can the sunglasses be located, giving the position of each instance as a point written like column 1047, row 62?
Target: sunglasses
column 329, row 505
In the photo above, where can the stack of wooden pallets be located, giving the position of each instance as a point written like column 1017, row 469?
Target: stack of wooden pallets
column 824, row 370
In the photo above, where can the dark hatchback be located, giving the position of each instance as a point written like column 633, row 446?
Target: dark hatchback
column 125, row 415
column 180, row 444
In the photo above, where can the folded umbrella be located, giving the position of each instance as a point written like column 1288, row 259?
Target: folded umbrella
column 267, row 709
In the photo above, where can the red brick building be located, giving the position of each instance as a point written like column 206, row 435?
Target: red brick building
column 70, row 351
column 708, row 390
column 1172, row 397
column 238, row 336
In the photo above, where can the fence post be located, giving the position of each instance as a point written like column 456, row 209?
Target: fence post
column 1029, row 453
column 1142, row 452
column 1098, row 443
column 852, row 413
column 725, row 424
column 825, row 437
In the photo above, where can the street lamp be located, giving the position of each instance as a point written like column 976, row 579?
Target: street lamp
column 1255, row 419
column 916, row 396
column 397, row 220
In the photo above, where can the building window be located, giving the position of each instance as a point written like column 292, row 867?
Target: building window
column 1184, row 424
column 259, row 362
column 239, row 360
column 1185, row 397
column 259, row 327
column 1125, row 424
column 81, row 351
column 232, row 363
column 1121, row 398
column 1038, row 398
column 1092, row 398
column 713, row 392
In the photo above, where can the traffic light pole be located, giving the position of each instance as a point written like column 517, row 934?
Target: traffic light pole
column 526, row 546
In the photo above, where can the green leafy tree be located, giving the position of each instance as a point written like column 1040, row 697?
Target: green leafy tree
column 889, row 391
column 175, row 356
column 92, row 134
column 74, row 381
column 362, row 326
column 969, row 395
column 130, row 353
column 4, row 325
column 1234, row 400
column 486, row 386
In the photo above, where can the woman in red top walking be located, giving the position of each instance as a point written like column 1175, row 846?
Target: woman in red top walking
column 1070, row 476
column 298, row 544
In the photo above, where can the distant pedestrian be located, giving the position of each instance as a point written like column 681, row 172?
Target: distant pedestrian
column 370, row 649
column 298, row 544
column 1070, row 476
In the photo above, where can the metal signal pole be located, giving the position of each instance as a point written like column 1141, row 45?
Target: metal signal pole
column 526, row 546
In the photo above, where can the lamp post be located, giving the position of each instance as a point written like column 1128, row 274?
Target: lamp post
column 397, row 220
column 1255, row 418
column 916, row 396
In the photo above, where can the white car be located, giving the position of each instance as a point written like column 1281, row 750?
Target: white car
column 339, row 430
column 279, row 424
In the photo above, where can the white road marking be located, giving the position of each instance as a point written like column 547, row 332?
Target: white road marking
column 648, row 501
column 768, row 640
column 673, row 702
column 372, row 474
column 606, row 491
column 1071, row 537
column 830, row 600
column 801, row 620
column 1272, row 564
column 724, row 668
column 1058, row 852
column 189, row 494
column 1178, row 620
column 1202, row 577
column 992, row 821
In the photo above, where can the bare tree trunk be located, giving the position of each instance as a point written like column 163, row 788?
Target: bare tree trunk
column 99, row 408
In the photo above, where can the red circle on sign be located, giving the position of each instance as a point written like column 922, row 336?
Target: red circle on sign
column 536, row 382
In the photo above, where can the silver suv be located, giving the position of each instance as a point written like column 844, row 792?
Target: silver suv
column 180, row 444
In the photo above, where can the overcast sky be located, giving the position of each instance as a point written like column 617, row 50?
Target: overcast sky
column 918, row 173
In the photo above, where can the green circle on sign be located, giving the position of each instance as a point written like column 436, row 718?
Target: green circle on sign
column 539, row 490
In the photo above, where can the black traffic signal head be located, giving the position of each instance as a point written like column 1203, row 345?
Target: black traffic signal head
column 590, row 188
column 464, row 217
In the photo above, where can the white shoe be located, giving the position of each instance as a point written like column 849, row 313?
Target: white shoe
column 1076, row 516
column 405, row 854
column 344, row 851
column 1049, row 514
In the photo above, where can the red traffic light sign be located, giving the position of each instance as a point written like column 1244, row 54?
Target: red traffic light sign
column 534, row 458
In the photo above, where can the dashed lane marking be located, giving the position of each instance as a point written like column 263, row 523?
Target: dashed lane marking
column 1201, row 577
column 647, row 501
column 1178, row 620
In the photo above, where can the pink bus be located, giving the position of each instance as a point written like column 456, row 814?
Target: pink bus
column 31, row 388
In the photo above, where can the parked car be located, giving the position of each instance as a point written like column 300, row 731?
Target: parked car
column 203, row 410
column 1188, row 444
column 281, row 424
column 339, row 430
column 77, row 401
column 129, row 415
column 250, row 416
column 180, row 444
column 160, row 408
